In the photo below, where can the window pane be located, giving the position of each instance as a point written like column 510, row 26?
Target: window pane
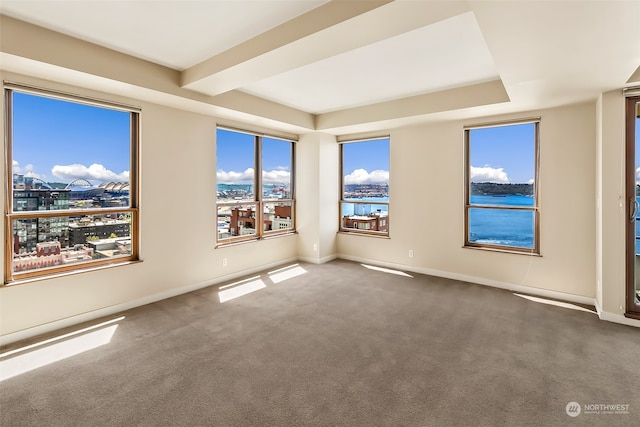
column 502, row 162
column 69, row 155
column 235, row 157
column 502, row 227
column 366, row 170
column 278, row 216
column 236, row 220
column 365, row 181
column 41, row 243
column 276, row 169
column 365, row 216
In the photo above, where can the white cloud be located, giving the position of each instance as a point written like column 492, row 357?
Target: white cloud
column 361, row 176
column 95, row 172
column 638, row 176
column 276, row 177
column 489, row 174
column 531, row 181
column 233, row 177
column 26, row 170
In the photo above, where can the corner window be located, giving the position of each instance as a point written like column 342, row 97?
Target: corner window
column 364, row 204
column 254, row 186
column 71, row 183
column 501, row 197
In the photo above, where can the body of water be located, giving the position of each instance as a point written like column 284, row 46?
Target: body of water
column 490, row 226
column 357, row 209
column 499, row 226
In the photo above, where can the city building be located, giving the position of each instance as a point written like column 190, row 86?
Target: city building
column 33, row 194
column 51, row 254
column 86, row 229
column 378, row 221
column 280, row 219
column 242, row 221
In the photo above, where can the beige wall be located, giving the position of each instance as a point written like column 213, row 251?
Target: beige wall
column 178, row 215
column 426, row 212
column 610, row 163
column 317, row 196
column 178, row 228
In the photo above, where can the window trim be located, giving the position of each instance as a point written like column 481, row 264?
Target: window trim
column 535, row 250
column 259, row 203
column 632, row 112
column 342, row 201
column 11, row 277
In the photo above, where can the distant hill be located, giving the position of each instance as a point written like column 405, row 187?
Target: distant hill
column 492, row 188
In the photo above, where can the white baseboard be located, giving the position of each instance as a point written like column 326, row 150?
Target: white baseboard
column 118, row 308
column 618, row 318
column 596, row 304
column 546, row 293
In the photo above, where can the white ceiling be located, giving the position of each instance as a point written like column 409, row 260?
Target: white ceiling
column 358, row 66
column 447, row 54
column 177, row 34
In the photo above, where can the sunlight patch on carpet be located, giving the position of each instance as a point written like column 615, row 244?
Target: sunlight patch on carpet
column 286, row 273
column 241, row 288
column 386, row 270
column 34, row 356
column 556, row 303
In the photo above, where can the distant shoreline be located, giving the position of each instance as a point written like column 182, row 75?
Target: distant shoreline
column 496, row 189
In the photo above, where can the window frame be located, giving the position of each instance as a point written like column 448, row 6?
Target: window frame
column 632, row 113
column 12, row 277
column 258, row 201
column 354, row 229
column 535, row 209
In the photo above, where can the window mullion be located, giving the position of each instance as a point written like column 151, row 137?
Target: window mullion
column 258, row 186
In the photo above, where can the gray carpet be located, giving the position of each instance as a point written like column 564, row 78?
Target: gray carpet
column 340, row 345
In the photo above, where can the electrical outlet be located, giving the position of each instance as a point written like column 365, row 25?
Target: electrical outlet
column 410, row 253
column 315, row 247
column 224, row 262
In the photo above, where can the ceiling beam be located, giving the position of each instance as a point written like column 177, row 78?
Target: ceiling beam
column 334, row 28
column 31, row 50
column 234, row 67
column 476, row 95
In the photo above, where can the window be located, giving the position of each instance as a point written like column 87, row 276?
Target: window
column 246, row 162
column 364, row 204
column 501, row 197
column 71, row 183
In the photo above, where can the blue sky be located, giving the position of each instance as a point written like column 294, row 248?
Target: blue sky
column 59, row 141
column 366, row 162
column 235, row 159
column 503, row 154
